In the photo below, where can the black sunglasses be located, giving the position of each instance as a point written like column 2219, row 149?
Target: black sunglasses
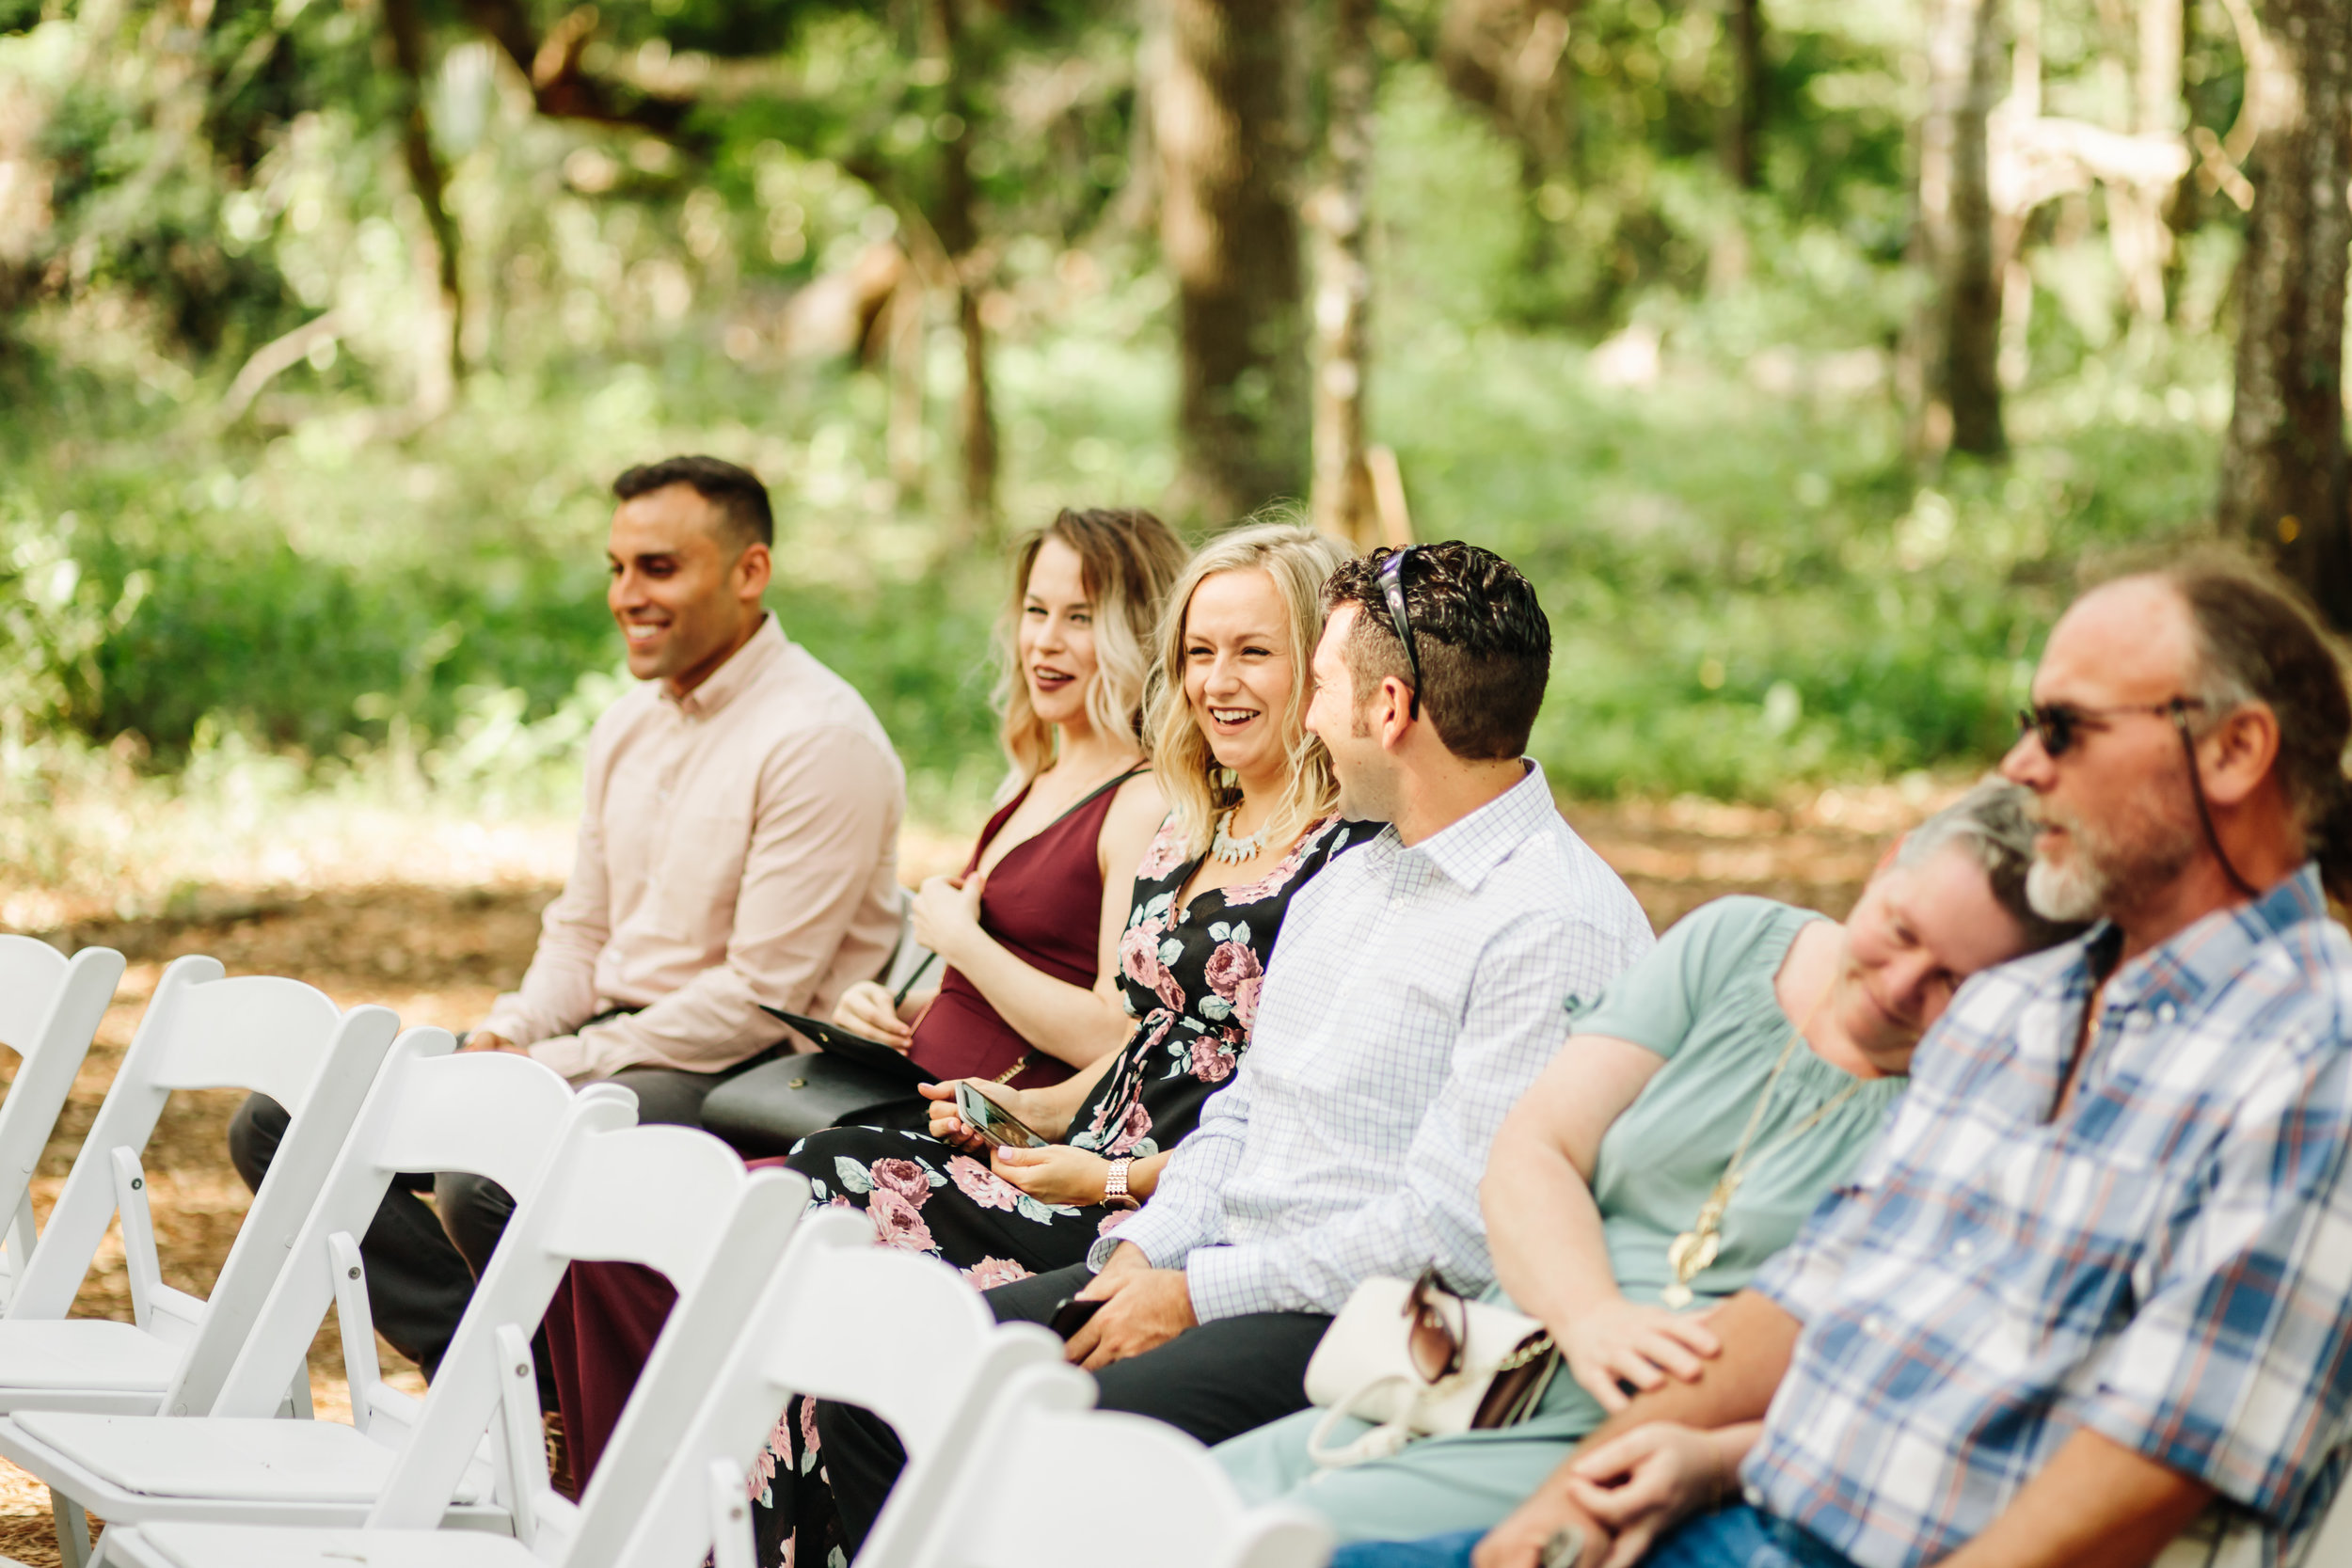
column 2054, row 724
column 1393, row 590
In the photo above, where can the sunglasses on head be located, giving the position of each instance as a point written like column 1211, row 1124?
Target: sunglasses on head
column 1393, row 590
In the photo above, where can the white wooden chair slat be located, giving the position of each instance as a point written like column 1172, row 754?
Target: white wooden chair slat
column 50, row 1010
column 199, row 1029
column 1165, row 1501
column 673, row 1192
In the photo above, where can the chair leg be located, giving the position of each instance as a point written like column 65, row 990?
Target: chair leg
column 72, row 1530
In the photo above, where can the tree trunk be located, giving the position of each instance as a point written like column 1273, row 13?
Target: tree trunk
column 957, row 224
column 1338, row 219
column 405, row 28
column 2283, row 479
column 1964, row 69
column 1225, row 129
column 1743, row 124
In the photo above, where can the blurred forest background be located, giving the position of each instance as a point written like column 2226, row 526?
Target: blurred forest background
column 1801, row 350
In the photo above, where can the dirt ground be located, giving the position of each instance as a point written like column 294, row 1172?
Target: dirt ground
column 438, row 955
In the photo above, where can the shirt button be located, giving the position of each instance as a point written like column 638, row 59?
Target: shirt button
column 1873, row 1326
column 2166, row 1012
column 1964, row 1248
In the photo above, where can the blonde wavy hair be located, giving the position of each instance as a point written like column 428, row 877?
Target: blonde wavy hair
column 1126, row 559
column 1194, row 783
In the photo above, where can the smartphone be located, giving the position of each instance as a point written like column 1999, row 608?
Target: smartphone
column 993, row 1122
column 1071, row 1315
column 1566, row 1548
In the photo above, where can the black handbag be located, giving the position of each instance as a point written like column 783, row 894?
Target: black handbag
column 764, row 1112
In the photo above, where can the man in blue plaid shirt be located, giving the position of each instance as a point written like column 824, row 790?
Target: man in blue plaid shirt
column 2094, row 1285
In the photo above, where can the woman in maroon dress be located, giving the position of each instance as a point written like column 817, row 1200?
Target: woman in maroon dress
column 1030, row 992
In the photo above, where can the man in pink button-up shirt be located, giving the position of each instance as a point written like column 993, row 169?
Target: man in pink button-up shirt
column 737, row 847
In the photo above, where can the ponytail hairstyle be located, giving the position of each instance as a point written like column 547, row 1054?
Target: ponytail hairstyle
column 1195, row 787
column 1126, row 559
column 2259, row 640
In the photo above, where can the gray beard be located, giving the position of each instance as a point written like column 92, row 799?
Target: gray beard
column 2066, row 893
column 2095, row 885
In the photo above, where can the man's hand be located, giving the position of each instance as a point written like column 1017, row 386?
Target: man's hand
column 1143, row 1308
column 1644, row 1483
column 482, row 1039
column 1519, row 1541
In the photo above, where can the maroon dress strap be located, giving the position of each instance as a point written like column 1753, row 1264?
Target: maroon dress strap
column 1043, row 902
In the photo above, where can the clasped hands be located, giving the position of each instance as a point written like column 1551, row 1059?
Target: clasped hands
column 1629, row 1491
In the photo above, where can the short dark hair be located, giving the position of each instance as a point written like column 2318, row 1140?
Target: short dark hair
column 1483, row 643
column 736, row 492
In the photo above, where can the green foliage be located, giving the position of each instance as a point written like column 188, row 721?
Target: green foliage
column 1674, row 403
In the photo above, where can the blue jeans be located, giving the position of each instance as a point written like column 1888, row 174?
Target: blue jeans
column 1732, row 1538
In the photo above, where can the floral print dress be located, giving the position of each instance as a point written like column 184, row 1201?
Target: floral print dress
column 1190, row 980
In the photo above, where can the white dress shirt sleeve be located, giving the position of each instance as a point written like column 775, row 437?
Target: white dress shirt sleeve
column 826, row 809
column 1513, row 1026
column 1186, row 1210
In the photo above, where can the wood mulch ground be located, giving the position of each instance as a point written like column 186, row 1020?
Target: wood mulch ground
column 436, row 955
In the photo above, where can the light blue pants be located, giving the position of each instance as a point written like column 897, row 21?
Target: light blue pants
column 1733, row 1538
column 1467, row 1482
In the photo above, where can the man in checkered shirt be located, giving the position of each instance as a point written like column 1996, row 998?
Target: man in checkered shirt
column 1414, row 996
column 2094, row 1286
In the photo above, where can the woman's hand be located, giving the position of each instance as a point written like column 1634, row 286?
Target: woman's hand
column 1032, row 1110
column 1620, row 1342
column 1645, row 1481
column 946, row 915
column 948, row 1124
column 865, row 1009
column 1058, row 1174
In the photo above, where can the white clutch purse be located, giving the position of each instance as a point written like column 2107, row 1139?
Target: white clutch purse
column 1377, row 1362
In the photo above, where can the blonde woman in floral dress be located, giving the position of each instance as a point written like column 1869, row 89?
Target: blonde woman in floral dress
column 1253, row 819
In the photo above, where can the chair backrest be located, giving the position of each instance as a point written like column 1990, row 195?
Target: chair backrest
column 489, row 1113
column 50, row 1009
column 665, row 1198
column 1165, row 1501
column 694, row 1354
column 841, row 1319
column 201, row 1031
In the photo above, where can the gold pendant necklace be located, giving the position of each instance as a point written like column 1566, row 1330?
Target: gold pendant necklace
column 1691, row 1254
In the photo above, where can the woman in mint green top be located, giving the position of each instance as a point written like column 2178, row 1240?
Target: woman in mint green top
column 1757, row 1037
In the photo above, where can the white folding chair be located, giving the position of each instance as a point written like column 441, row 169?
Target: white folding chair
column 837, row 1316
column 50, row 1009
column 201, row 1031
column 668, row 1198
column 1161, row 1499
column 493, row 1113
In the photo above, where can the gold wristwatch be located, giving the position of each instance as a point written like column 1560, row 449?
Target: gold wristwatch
column 1115, row 1194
